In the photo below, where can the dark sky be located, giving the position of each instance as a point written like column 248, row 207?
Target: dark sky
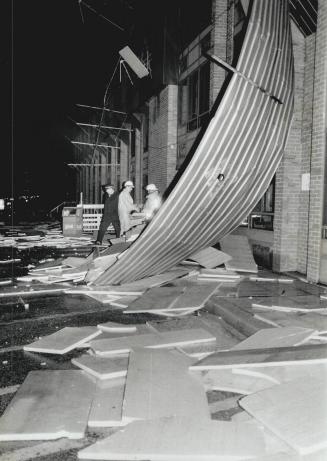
column 50, row 60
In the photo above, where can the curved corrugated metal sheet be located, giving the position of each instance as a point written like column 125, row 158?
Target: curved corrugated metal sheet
column 244, row 141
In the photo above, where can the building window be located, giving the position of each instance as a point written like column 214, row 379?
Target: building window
column 205, row 43
column 198, row 84
column 262, row 216
column 133, row 140
column 183, row 64
column 146, row 130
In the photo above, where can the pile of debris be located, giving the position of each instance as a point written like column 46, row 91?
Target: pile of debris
column 148, row 383
column 41, row 235
column 149, row 387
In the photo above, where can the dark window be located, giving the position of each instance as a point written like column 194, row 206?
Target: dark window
column 193, row 95
column 198, row 97
column 146, row 131
column 204, row 89
column 183, row 64
column 133, row 140
column 205, row 43
column 262, row 216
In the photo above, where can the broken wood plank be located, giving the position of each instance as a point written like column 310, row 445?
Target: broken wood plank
column 151, row 340
column 103, row 299
column 158, row 298
column 181, row 439
column 114, row 327
column 153, row 281
column 102, row 367
column 49, row 405
column 188, row 299
column 194, row 296
column 106, row 408
column 270, row 279
column 220, row 272
column 242, row 321
column 210, row 257
column 281, row 319
column 275, row 356
column 231, row 381
column 275, row 337
column 158, row 384
column 123, row 301
column 173, row 313
column 215, row 279
column 211, row 323
column 305, row 304
column 280, row 375
column 247, row 288
column 109, row 290
column 218, row 275
column 238, row 247
column 64, row 340
column 294, row 411
column 30, row 291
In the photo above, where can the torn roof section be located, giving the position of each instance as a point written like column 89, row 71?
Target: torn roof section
column 243, row 143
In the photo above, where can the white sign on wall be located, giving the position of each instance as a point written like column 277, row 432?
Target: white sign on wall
column 305, row 182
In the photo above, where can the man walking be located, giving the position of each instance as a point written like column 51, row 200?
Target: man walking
column 126, row 206
column 110, row 213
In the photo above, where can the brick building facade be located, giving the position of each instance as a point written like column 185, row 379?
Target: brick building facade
column 286, row 228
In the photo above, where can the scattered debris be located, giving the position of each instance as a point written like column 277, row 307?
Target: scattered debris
column 261, row 336
column 64, row 340
column 49, row 405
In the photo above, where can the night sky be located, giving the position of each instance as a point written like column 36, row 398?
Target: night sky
column 51, row 60
column 52, row 57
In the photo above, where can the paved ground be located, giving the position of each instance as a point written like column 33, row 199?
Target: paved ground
column 24, row 320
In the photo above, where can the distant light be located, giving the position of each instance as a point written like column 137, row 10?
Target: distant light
column 2, row 204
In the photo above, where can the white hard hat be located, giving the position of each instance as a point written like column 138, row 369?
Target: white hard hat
column 129, row 183
column 151, row 187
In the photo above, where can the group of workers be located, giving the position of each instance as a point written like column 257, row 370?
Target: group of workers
column 119, row 206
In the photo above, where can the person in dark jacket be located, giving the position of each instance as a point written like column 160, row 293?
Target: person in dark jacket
column 110, row 213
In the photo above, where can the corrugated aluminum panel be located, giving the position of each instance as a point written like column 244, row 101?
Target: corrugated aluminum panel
column 244, row 142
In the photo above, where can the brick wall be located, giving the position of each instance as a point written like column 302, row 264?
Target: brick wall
column 299, row 213
column 306, row 150
column 220, row 10
column 163, row 137
column 288, row 176
column 318, row 152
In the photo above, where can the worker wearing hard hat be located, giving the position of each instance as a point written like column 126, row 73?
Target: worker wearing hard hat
column 125, row 207
column 110, row 213
column 152, row 203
